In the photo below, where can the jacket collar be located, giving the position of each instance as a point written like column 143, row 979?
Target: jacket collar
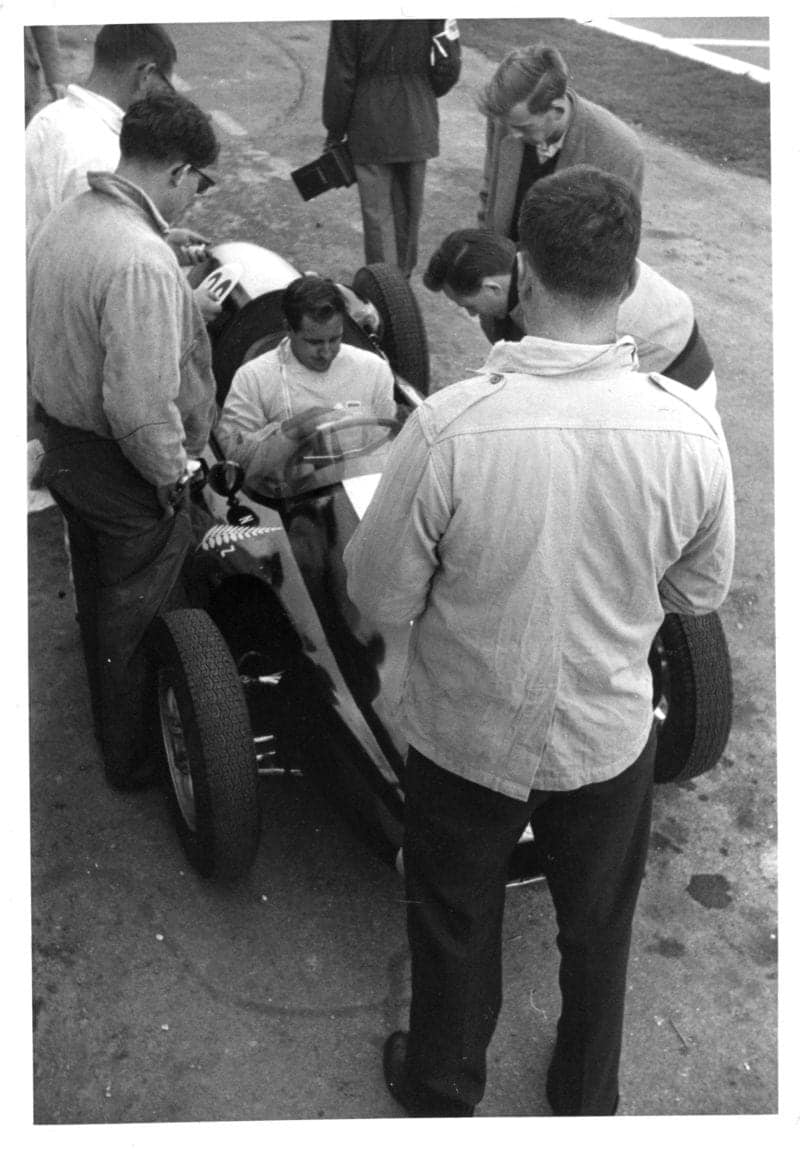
column 118, row 188
column 535, row 356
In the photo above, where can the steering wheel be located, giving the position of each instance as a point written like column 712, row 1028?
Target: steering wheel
column 304, row 453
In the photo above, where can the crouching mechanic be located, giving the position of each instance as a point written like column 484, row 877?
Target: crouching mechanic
column 477, row 270
column 280, row 395
column 120, row 368
column 536, row 523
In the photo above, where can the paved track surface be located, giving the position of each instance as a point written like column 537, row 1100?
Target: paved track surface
column 162, row 998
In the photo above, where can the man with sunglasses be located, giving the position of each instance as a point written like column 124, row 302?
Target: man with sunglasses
column 120, row 367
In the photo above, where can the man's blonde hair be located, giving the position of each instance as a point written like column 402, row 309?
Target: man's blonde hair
column 537, row 74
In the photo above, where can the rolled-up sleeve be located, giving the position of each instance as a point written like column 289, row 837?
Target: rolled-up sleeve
column 700, row 579
column 393, row 555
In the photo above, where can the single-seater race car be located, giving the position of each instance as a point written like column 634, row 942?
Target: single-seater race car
column 270, row 669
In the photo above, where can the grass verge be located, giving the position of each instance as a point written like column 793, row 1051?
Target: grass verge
column 720, row 117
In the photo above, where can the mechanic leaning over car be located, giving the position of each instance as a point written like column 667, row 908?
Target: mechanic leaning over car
column 310, row 373
column 536, row 523
column 120, row 367
column 477, row 270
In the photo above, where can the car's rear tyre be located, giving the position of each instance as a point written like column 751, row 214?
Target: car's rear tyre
column 403, row 336
column 692, row 695
column 208, row 744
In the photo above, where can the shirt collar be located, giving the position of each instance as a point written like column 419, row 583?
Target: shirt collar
column 535, row 356
column 110, row 184
column 109, row 112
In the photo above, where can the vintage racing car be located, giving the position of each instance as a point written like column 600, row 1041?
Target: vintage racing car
column 271, row 669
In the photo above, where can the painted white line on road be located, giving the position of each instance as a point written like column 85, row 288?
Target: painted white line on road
column 680, row 48
column 721, row 43
column 228, row 124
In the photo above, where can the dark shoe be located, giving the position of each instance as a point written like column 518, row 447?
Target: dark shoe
column 558, row 1109
column 418, row 1100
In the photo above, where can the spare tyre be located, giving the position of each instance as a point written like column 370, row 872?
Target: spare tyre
column 402, row 336
column 692, row 695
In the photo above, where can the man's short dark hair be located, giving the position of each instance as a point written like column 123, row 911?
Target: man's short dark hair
column 118, row 45
column 464, row 258
column 167, row 126
column 580, row 229
column 537, row 74
column 314, row 296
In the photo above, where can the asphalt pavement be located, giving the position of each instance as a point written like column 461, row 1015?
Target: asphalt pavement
column 162, row 998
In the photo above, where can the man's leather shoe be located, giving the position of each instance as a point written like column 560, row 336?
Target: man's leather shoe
column 418, row 1100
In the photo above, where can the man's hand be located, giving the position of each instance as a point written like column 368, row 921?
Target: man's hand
column 169, row 495
column 303, row 424
column 190, row 247
column 209, row 308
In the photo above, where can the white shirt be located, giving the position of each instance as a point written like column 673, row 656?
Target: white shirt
column 64, row 141
column 275, row 386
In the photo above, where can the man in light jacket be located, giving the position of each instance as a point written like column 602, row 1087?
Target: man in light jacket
column 536, row 523
column 477, row 270
column 379, row 96
column 120, row 367
column 537, row 124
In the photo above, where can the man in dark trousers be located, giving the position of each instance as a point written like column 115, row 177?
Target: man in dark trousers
column 536, row 523
column 120, row 367
column 380, row 95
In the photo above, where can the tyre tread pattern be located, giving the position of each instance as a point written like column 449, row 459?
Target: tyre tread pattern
column 404, row 339
column 219, row 735
column 700, row 710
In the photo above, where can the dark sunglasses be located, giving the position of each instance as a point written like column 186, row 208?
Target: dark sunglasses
column 204, row 181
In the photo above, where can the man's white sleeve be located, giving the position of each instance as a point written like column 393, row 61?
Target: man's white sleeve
column 699, row 581
column 392, row 556
column 244, row 422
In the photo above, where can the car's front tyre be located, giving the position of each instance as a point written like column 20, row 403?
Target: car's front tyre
column 208, row 744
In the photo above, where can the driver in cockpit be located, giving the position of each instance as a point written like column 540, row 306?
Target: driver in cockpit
column 310, row 373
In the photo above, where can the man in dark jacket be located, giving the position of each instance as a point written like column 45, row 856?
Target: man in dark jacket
column 380, row 95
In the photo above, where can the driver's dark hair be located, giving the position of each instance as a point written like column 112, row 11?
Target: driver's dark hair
column 580, row 230
column 118, row 45
column 464, row 258
column 166, row 126
column 314, row 296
